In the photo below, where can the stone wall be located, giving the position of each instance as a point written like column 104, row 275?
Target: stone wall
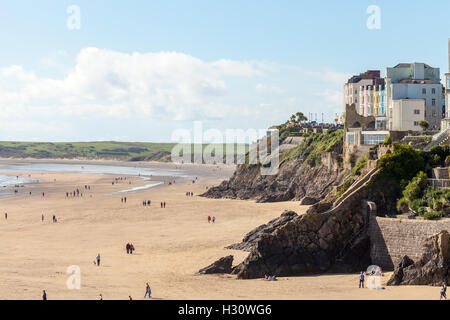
column 391, row 239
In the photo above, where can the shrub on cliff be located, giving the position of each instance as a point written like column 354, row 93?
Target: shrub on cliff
column 402, row 164
column 316, row 145
column 434, row 215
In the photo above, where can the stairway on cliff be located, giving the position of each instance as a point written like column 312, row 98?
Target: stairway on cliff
column 439, row 139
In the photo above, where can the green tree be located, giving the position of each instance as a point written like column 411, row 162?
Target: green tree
column 403, row 163
column 424, row 125
column 301, row 117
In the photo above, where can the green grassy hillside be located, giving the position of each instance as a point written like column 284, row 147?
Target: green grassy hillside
column 134, row 151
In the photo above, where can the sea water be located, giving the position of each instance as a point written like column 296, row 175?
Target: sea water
column 7, row 182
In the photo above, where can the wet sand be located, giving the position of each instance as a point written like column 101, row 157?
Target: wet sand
column 172, row 244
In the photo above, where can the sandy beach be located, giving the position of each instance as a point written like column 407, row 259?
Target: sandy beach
column 171, row 243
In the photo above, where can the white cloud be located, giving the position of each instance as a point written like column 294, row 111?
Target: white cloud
column 160, row 87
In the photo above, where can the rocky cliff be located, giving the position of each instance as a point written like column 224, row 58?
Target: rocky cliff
column 432, row 269
column 328, row 238
column 310, row 169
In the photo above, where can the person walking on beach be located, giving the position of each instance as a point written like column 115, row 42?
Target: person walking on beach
column 44, row 295
column 125, row 199
column 131, row 248
column 98, row 260
column 209, row 219
column 148, row 291
column 42, row 218
column 101, row 296
column 161, row 204
column 6, row 215
column 128, row 248
column 361, row 280
column 164, row 203
column 213, row 219
column 443, row 292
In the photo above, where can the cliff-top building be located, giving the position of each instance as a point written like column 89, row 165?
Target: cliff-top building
column 445, row 124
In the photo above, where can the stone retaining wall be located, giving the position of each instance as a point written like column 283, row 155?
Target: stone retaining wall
column 391, row 239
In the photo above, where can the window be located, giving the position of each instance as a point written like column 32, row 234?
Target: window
column 356, row 100
column 350, row 138
column 433, row 91
column 433, row 102
column 416, row 111
column 373, row 138
column 434, row 113
column 416, row 123
column 424, row 91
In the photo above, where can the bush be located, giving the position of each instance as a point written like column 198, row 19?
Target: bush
column 421, row 211
column 417, row 203
column 433, row 215
column 403, row 205
column 414, row 190
column 387, row 140
column 356, row 170
column 403, row 163
column 437, row 205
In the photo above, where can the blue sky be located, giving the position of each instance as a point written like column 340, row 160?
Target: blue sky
column 138, row 70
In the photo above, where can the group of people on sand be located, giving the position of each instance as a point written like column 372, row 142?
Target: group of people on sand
column 123, row 199
column 116, row 180
column 189, row 194
column 75, row 193
column 130, row 248
column 163, row 204
column 270, row 278
column 211, row 219
column 146, row 202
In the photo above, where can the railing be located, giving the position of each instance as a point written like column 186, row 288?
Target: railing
column 439, row 183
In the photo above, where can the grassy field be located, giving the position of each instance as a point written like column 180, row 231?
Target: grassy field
column 134, row 151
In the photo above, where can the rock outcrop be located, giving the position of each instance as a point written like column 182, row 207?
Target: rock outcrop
column 312, row 243
column 293, row 182
column 253, row 236
column 310, row 169
column 432, row 269
column 307, row 201
column 223, row 265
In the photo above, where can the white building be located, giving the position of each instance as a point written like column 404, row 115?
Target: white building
column 445, row 124
column 406, row 114
column 355, row 86
column 410, row 82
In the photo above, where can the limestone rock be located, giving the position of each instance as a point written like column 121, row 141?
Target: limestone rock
column 223, row 265
column 293, row 181
column 253, row 236
column 432, row 269
column 307, row 201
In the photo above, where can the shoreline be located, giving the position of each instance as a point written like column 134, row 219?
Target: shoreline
column 172, row 244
